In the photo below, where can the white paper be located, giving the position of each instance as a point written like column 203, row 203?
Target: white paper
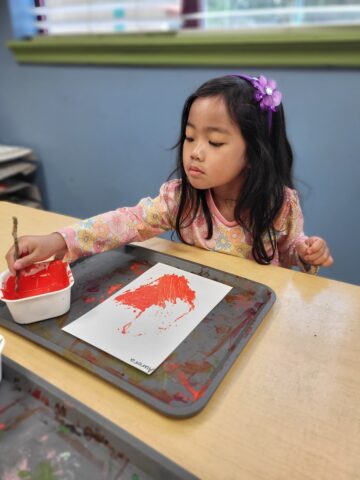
column 162, row 306
column 10, row 152
column 15, row 168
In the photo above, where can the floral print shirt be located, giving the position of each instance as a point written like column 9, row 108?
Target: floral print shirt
column 152, row 216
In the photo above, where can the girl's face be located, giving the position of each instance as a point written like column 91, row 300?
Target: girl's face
column 214, row 150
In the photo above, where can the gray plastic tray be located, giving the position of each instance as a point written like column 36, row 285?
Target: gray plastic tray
column 184, row 383
column 46, row 434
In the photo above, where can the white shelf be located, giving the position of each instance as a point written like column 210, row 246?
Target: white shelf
column 16, row 165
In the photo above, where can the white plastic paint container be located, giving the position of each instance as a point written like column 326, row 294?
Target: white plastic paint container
column 38, row 307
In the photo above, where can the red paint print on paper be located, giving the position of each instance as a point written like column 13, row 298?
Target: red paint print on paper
column 169, row 288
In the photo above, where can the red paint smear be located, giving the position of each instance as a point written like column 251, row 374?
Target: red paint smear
column 197, row 367
column 2, row 426
column 137, row 268
column 37, row 279
column 180, row 397
column 93, row 289
column 222, row 329
column 4, row 408
column 232, row 334
column 39, row 396
column 170, row 367
column 90, row 299
column 168, row 288
column 36, row 394
column 240, row 297
column 125, row 327
column 185, row 382
column 114, row 288
column 88, row 355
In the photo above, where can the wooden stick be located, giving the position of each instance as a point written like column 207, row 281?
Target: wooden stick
column 16, row 254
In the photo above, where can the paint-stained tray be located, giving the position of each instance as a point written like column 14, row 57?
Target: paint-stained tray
column 45, row 434
column 183, row 384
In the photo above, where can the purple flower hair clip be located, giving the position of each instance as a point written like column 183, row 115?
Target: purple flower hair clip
column 266, row 94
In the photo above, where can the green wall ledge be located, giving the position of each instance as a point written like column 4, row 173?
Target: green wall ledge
column 337, row 47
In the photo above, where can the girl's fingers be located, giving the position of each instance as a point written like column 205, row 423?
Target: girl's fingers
column 316, row 256
column 321, row 258
column 26, row 260
column 316, row 244
column 318, row 253
column 25, row 251
column 328, row 262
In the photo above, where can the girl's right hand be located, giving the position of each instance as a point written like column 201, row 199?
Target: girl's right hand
column 34, row 249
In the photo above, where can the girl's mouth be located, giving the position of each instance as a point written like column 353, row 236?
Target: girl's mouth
column 195, row 172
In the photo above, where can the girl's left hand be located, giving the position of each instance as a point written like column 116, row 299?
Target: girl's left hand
column 314, row 251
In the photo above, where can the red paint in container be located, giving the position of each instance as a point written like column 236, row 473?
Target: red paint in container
column 44, row 291
column 40, row 278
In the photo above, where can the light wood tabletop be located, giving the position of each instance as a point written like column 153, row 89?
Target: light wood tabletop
column 289, row 407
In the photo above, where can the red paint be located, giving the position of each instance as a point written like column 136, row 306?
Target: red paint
column 192, row 367
column 185, row 382
column 114, row 288
column 36, row 393
column 137, row 268
column 180, row 397
column 89, row 299
column 88, row 355
column 125, row 327
column 2, row 426
column 170, row 367
column 93, row 289
column 231, row 336
column 168, row 288
column 240, row 297
column 37, row 279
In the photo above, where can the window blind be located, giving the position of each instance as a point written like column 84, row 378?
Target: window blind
column 69, row 17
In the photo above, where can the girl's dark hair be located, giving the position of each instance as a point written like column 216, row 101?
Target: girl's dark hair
column 269, row 158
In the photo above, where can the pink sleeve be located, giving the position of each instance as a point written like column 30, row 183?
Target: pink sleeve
column 291, row 233
column 147, row 219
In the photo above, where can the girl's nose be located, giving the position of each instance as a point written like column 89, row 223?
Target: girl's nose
column 197, row 153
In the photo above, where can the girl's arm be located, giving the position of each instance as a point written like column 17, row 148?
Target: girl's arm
column 296, row 249
column 35, row 248
column 110, row 230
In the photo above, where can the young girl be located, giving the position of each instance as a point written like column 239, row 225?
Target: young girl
column 234, row 193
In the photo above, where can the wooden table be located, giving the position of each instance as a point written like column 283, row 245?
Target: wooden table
column 289, row 408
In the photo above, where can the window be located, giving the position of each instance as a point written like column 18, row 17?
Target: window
column 69, row 17
column 230, row 14
column 192, row 33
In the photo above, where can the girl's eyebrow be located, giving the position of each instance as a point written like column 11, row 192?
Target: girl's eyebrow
column 210, row 128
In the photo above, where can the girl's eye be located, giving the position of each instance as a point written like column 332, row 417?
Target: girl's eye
column 216, row 144
column 188, row 139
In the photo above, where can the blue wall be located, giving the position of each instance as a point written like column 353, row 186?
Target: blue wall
column 102, row 135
